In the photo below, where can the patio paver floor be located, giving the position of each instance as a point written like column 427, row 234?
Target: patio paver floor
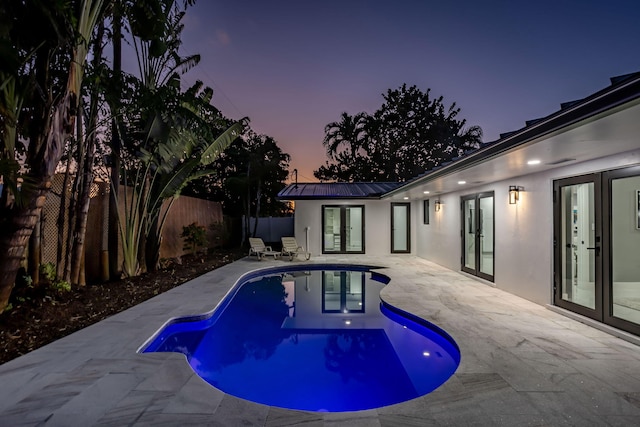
column 522, row 364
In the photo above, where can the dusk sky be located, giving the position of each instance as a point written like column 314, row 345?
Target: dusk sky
column 293, row 67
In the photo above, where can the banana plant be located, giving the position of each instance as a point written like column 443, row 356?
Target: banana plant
column 178, row 149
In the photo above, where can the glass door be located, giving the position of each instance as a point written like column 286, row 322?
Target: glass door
column 621, row 273
column 343, row 229
column 478, row 235
column 400, row 227
column 577, row 242
column 343, row 292
column 469, row 235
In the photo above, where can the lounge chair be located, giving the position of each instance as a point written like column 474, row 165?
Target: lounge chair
column 290, row 247
column 259, row 249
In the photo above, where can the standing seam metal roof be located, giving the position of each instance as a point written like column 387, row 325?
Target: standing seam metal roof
column 336, row 190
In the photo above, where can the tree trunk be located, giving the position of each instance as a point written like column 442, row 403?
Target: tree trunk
column 35, row 251
column 84, row 201
column 152, row 247
column 14, row 240
column 84, row 196
column 61, row 257
column 258, row 196
column 144, row 226
column 72, row 212
column 45, row 150
column 114, row 232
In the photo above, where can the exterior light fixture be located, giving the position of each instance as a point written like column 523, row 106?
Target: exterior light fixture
column 462, row 182
column 437, row 205
column 514, row 194
column 405, row 198
column 533, row 162
column 425, row 192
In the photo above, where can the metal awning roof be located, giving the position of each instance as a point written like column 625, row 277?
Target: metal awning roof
column 337, row 190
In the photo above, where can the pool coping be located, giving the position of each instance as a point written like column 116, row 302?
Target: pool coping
column 520, row 363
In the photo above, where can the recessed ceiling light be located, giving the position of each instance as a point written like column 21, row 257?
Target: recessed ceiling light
column 533, row 162
column 425, row 192
column 406, row 198
column 462, row 182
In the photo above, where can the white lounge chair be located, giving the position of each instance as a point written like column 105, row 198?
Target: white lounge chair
column 259, row 249
column 290, row 247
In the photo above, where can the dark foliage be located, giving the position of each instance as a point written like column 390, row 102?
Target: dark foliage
column 408, row 135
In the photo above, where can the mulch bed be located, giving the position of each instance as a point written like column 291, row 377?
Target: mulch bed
column 40, row 315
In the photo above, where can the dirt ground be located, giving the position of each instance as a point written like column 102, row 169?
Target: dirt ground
column 40, row 316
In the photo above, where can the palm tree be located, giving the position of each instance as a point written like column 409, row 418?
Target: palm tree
column 346, row 135
column 52, row 61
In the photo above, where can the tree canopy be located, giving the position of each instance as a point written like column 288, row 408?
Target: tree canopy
column 250, row 173
column 410, row 133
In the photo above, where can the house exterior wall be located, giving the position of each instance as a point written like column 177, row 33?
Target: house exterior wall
column 377, row 220
column 523, row 232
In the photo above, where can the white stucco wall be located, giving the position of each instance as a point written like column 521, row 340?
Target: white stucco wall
column 523, row 232
column 377, row 214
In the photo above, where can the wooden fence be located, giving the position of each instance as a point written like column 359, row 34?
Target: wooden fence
column 185, row 210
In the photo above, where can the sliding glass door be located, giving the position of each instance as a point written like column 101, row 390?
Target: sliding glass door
column 343, row 229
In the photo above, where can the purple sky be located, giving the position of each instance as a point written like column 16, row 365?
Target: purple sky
column 295, row 66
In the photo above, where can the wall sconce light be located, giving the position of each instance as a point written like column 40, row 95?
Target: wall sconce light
column 514, row 194
column 437, row 205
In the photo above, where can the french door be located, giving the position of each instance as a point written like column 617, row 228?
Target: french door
column 578, row 245
column 478, row 235
column 597, row 242
column 342, row 229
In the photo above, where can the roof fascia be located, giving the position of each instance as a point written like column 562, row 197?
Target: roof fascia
column 601, row 101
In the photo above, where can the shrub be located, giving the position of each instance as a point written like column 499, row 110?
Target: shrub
column 195, row 237
column 48, row 271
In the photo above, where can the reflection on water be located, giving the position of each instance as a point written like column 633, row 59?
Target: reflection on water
column 278, row 342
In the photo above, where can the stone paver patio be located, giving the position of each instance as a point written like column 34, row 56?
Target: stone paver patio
column 522, row 364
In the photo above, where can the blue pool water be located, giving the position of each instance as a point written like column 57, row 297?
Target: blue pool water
column 317, row 339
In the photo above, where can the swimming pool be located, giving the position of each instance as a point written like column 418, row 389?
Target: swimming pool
column 315, row 339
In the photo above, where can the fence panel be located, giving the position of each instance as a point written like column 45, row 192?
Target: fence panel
column 185, row 210
column 271, row 229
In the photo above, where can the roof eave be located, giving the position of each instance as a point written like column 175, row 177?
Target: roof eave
column 601, row 101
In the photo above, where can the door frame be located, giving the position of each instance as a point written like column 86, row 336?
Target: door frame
column 477, row 227
column 408, row 219
column 607, row 249
column 596, row 179
column 343, row 229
